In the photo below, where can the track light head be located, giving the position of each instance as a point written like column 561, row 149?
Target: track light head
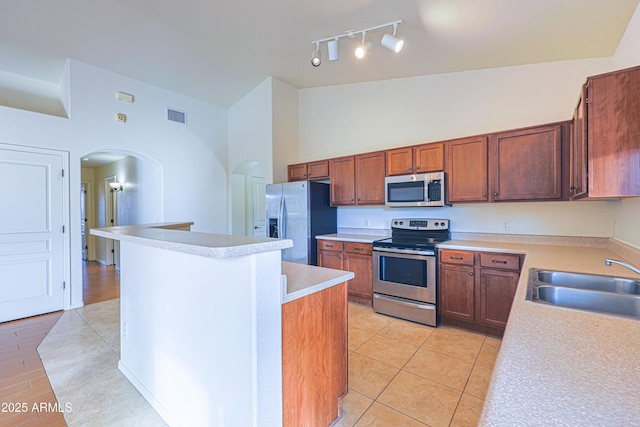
column 391, row 42
column 332, row 47
column 315, row 56
column 362, row 48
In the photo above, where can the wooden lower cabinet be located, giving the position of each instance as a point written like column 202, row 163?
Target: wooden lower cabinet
column 314, row 357
column 354, row 257
column 476, row 289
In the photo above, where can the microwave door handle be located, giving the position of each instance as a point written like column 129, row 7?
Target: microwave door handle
column 426, row 190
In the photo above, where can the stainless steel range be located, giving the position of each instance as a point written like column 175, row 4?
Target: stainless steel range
column 404, row 269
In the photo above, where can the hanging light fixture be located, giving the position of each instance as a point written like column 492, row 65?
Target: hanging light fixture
column 391, row 42
column 315, row 56
column 363, row 48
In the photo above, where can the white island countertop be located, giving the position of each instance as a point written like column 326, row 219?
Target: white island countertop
column 302, row 280
column 559, row 366
column 165, row 236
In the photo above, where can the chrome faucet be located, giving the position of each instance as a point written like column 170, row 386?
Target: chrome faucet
column 608, row 262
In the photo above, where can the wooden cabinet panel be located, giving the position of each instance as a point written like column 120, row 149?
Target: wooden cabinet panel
column 496, row 292
column 578, row 150
column 467, row 169
column 456, row 257
column 318, row 170
column 330, row 259
column 528, row 164
column 613, row 130
column 399, row 161
column 343, row 181
column 314, row 357
column 504, row 261
column 330, row 245
column 297, row 172
column 361, row 265
column 457, row 292
column 428, row 158
column 370, row 179
column 358, row 248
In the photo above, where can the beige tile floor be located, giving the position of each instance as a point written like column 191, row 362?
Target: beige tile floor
column 405, row 374
column 80, row 355
column 400, row 373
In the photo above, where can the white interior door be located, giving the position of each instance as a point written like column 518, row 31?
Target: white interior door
column 32, row 239
column 83, row 220
column 258, row 206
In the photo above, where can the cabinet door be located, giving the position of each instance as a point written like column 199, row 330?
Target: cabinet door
column 457, row 292
column 318, row 170
column 528, row 164
column 361, row 265
column 496, row 291
column 578, row 156
column 330, row 259
column 400, row 161
column 343, row 184
column 297, row 172
column 428, row 158
column 613, row 116
column 370, row 179
column 467, row 166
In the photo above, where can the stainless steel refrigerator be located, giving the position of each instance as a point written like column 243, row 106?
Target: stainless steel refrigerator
column 300, row 211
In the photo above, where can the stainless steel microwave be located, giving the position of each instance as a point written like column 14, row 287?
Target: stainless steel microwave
column 423, row 189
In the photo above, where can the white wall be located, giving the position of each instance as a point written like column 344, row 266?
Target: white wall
column 193, row 157
column 356, row 118
column 285, row 128
column 628, row 55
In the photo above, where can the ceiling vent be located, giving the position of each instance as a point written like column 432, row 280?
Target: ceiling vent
column 177, row 116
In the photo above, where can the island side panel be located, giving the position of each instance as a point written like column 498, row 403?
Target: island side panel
column 314, row 356
column 201, row 337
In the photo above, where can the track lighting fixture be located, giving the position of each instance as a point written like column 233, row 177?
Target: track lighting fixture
column 389, row 41
column 315, row 56
column 362, row 49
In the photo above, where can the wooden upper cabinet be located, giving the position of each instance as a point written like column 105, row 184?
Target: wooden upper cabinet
column 297, row 172
column 400, row 161
column 467, row 170
column 370, row 178
column 527, row 164
column 343, row 180
column 318, row 170
column 578, row 150
column 418, row 159
column 428, row 158
column 613, row 134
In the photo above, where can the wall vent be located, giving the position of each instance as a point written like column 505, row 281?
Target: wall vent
column 177, row 116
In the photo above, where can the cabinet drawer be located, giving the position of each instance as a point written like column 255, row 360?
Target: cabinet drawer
column 330, row 245
column 507, row 262
column 358, row 248
column 456, row 257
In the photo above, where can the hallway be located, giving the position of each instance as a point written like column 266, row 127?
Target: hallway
column 99, row 282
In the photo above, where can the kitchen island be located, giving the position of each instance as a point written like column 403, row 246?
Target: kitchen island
column 559, row 366
column 202, row 320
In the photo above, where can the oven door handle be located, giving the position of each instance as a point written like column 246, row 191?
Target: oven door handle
column 410, row 304
column 402, row 251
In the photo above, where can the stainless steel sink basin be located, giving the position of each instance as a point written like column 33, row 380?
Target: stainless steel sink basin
column 589, row 292
column 590, row 281
column 604, row 302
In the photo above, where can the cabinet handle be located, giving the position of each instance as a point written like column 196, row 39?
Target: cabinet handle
column 481, row 274
column 495, row 261
column 459, row 258
column 495, row 194
column 359, row 249
column 471, row 273
column 573, row 188
column 329, row 246
column 484, row 194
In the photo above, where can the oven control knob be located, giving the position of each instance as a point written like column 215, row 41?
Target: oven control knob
column 401, row 222
column 395, row 222
column 437, row 224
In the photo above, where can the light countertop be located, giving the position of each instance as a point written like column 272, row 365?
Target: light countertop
column 165, row 236
column 350, row 237
column 559, row 366
column 302, row 280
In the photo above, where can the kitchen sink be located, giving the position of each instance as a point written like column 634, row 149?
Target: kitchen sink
column 592, row 282
column 588, row 292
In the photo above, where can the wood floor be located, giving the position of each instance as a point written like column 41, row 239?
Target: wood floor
column 26, row 397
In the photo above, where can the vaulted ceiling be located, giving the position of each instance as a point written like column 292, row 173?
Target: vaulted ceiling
column 218, row 51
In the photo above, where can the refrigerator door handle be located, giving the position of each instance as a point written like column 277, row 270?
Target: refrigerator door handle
column 281, row 226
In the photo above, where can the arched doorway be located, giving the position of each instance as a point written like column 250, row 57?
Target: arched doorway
column 135, row 198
